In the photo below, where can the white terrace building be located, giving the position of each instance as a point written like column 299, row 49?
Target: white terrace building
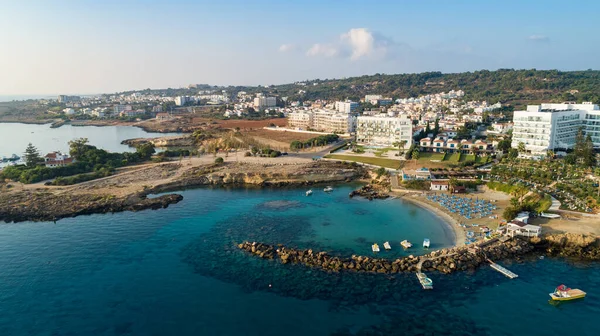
column 383, row 131
column 554, row 126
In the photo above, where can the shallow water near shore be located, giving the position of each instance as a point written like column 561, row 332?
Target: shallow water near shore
column 177, row 271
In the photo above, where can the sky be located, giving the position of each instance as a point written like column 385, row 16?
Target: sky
column 90, row 47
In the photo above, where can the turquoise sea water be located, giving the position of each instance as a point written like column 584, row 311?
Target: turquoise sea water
column 177, row 271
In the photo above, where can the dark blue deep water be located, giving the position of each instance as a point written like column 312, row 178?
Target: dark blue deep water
column 177, row 272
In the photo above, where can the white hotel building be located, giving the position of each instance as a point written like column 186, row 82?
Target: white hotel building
column 554, row 126
column 383, row 131
column 323, row 120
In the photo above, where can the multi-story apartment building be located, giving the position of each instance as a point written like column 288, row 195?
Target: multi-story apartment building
column 383, row 131
column 346, row 106
column 370, row 97
column 117, row 109
column 68, row 99
column 300, row 119
column 262, row 102
column 554, row 126
column 181, row 100
column 323, row 120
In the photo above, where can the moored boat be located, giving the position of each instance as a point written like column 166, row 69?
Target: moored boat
column 375, row 248
column 426, row 243
column 426, row 282
column 328, row 189
column 563, row 293
column 309, row 192
column 387, row 246
column 406, row 244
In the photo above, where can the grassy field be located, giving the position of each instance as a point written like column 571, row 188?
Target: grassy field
column 453, row 158
column 467, row 157
column 387, row 163
column 380, row 152
column 427, row 156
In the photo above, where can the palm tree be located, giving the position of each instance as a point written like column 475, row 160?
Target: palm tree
column 415, row 156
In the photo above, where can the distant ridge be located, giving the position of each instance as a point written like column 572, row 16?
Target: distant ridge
column 509, row 86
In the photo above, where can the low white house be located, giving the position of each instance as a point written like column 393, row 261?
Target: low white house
column 439, row 185
column 57, row 159
column 518, row 228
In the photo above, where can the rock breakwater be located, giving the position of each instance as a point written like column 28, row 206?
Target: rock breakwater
column 444, row 261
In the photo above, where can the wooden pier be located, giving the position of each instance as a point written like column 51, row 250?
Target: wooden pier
column 503, row 270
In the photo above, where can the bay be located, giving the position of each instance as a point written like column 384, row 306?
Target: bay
column 177, row 271
column 15, row 137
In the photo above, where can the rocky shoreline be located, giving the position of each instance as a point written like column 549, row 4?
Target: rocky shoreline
column 168, row 141
column 444, row 261
column 309, row 174
column 369, row 193
column 44, row 206
column 105, row 195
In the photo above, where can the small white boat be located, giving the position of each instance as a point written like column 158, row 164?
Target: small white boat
column 426, row 243
column 375, row 248
column 406, row 244
column 308, row 193
column 328, row 189
column 387, row 246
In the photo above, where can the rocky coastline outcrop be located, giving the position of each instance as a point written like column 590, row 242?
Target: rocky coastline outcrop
column 169, row 141
column 580, row 246
column 215, row 175
column 46, row 206
column 369, row 192
column 444, row 261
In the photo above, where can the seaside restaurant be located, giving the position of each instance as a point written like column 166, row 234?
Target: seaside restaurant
column 518, row 228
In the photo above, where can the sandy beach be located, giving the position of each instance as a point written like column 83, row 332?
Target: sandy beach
column 459, row 233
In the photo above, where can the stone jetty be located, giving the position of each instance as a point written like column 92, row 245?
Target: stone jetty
column 369, row 193
column 444, row 261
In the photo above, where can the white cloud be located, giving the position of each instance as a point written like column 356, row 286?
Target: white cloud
column 538, row 38
column 326, row 50
column 365, row 44
column 357, row 43
column 286, row 47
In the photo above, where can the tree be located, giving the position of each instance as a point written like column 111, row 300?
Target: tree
column 32, row 156
column 510, row 213
column 518, row 192
column 219, row 160
column 416, row 154
column 463, row 133
column 145, row 150
column 78, row 147
column 579, row 147
column 504, row 145
column 452, row 183
column 589, row 157
column 521, row 147
column 402, row 144
column 513, row 153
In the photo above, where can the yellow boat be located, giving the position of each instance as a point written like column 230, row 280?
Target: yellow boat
column 563, row 293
